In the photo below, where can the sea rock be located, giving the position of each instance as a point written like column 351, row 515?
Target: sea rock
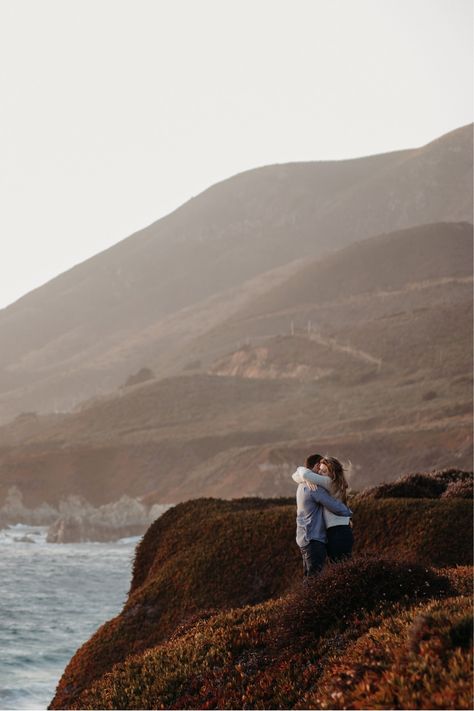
column 80, row 521
column 14, row 511
column 67, row 530
column 76, row 519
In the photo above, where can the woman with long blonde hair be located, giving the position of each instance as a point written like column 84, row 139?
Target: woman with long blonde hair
column 328, row 472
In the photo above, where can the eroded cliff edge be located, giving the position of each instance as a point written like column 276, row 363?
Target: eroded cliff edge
column 215, row 614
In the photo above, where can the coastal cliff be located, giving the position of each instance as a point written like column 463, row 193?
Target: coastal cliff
column 216, row 616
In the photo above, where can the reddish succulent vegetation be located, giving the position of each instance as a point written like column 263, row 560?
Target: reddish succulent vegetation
column 367, row 582
column 184, row 639
column 420, row 659
column 458, row 490
column 208, row 521
column 228, row 555
column 241, row 659
column 460, row 578
column 432, row 531
column 430, row 485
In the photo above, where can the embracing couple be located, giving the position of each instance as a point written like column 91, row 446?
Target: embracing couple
column 323, row 520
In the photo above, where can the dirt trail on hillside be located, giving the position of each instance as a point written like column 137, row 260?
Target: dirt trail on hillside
column 358, row 299
column 414, row 286
column 367, row 296
column 421, row 425
column 335, row 346
column 427, row 283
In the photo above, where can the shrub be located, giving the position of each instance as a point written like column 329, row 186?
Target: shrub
column 199, row 669
column 460, row 578
column 233, row 553
column 429, row 485
column 458, row 490
column 436, row 532
column 364, row 583
column 140, row 376
column 421, row 659
column 231, row 660
column 228, row 556
column 412, row 486
column 452, row 475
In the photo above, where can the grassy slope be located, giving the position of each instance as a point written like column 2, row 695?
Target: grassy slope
column 87, row 330
column 209, row 435
column 237, row 553
column 214, row 428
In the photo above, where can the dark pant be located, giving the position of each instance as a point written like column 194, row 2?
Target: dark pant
column 340, row 542
column 314, row 557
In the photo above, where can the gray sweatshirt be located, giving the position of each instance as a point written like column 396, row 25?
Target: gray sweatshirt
column 310, row 525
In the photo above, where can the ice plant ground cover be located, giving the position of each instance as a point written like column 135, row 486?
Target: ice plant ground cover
column 222, row 621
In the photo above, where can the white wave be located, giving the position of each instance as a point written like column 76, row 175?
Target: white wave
column 22, row 533
column 129, row 540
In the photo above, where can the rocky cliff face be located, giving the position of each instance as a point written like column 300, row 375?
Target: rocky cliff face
column 75, row 520
column 66, row 530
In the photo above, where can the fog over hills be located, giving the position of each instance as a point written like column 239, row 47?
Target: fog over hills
column 152, row 299
column 365, row 353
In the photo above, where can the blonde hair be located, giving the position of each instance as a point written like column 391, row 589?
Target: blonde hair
column 339, row 483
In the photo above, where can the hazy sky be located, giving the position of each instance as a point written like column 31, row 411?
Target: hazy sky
column 114, row 112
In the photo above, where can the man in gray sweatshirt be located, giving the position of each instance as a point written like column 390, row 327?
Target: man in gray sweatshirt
column 310, row 527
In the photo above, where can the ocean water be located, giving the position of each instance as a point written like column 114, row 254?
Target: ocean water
column 52, row 598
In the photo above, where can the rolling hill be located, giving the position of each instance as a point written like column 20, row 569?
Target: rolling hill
column 365, row 353
column 149, row 297
column 385, row 284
